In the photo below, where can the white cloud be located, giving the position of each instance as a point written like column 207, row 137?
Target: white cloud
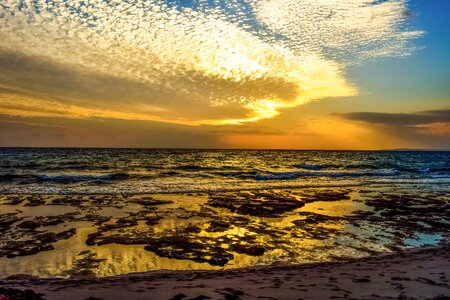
column 211, row 62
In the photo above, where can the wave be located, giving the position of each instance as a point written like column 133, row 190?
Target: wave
column 239, row 174
column 191, row 168
column 208, row 186
column 314, row 167
column 382, row 166
column 83, row 178
column 63, row 178
column 368, row 166
column 13, row 177
column 295, row 175
column 195, row 168
column 352, row 166
column 321, row 171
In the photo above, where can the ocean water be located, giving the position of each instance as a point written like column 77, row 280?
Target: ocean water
column 104, row 212
column 114, row 171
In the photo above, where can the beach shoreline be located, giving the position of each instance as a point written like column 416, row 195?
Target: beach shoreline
column 421, row 273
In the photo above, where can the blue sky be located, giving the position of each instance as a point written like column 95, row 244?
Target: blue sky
column 421, row 80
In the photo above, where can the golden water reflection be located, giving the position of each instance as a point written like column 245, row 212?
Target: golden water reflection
column 281, row 238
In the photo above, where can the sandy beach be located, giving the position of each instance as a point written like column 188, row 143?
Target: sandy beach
column 411, row 274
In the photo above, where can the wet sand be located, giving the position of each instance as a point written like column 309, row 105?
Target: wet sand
column 422, row 273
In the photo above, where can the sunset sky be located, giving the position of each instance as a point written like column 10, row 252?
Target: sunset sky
column 285, row 74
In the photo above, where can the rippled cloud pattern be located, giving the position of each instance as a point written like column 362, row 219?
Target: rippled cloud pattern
column 188, row 62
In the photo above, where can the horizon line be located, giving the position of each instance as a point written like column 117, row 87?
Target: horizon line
column 224, row 149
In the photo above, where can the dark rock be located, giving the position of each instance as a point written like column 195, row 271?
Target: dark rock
column 218, row 226
column 180, row 247
column 35, row 244
column 15, row 200
column 36, row 200
column 149, row 201
column 178, row 297
column 83, row 267
column 269, row 204
column 325, row 195
column 16, row 294
column 52, row 222
column 248, row 249
column 29, row 225
column 153, row 220
column 7, row 220
column 313, row 226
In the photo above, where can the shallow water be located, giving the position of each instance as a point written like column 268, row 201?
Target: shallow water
column 219, row 230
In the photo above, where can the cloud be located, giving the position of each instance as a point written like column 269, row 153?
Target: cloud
column 206, row 62
column 401, row 119
column 65, row 132
column 426, row 129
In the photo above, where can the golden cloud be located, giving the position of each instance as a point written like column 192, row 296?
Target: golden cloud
column 211, row 62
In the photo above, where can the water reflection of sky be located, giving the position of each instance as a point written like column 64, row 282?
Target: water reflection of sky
column 283, row 241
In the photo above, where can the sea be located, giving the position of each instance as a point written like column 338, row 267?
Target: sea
column 86, row 171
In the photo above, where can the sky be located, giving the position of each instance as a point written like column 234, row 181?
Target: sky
column 275, row 74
